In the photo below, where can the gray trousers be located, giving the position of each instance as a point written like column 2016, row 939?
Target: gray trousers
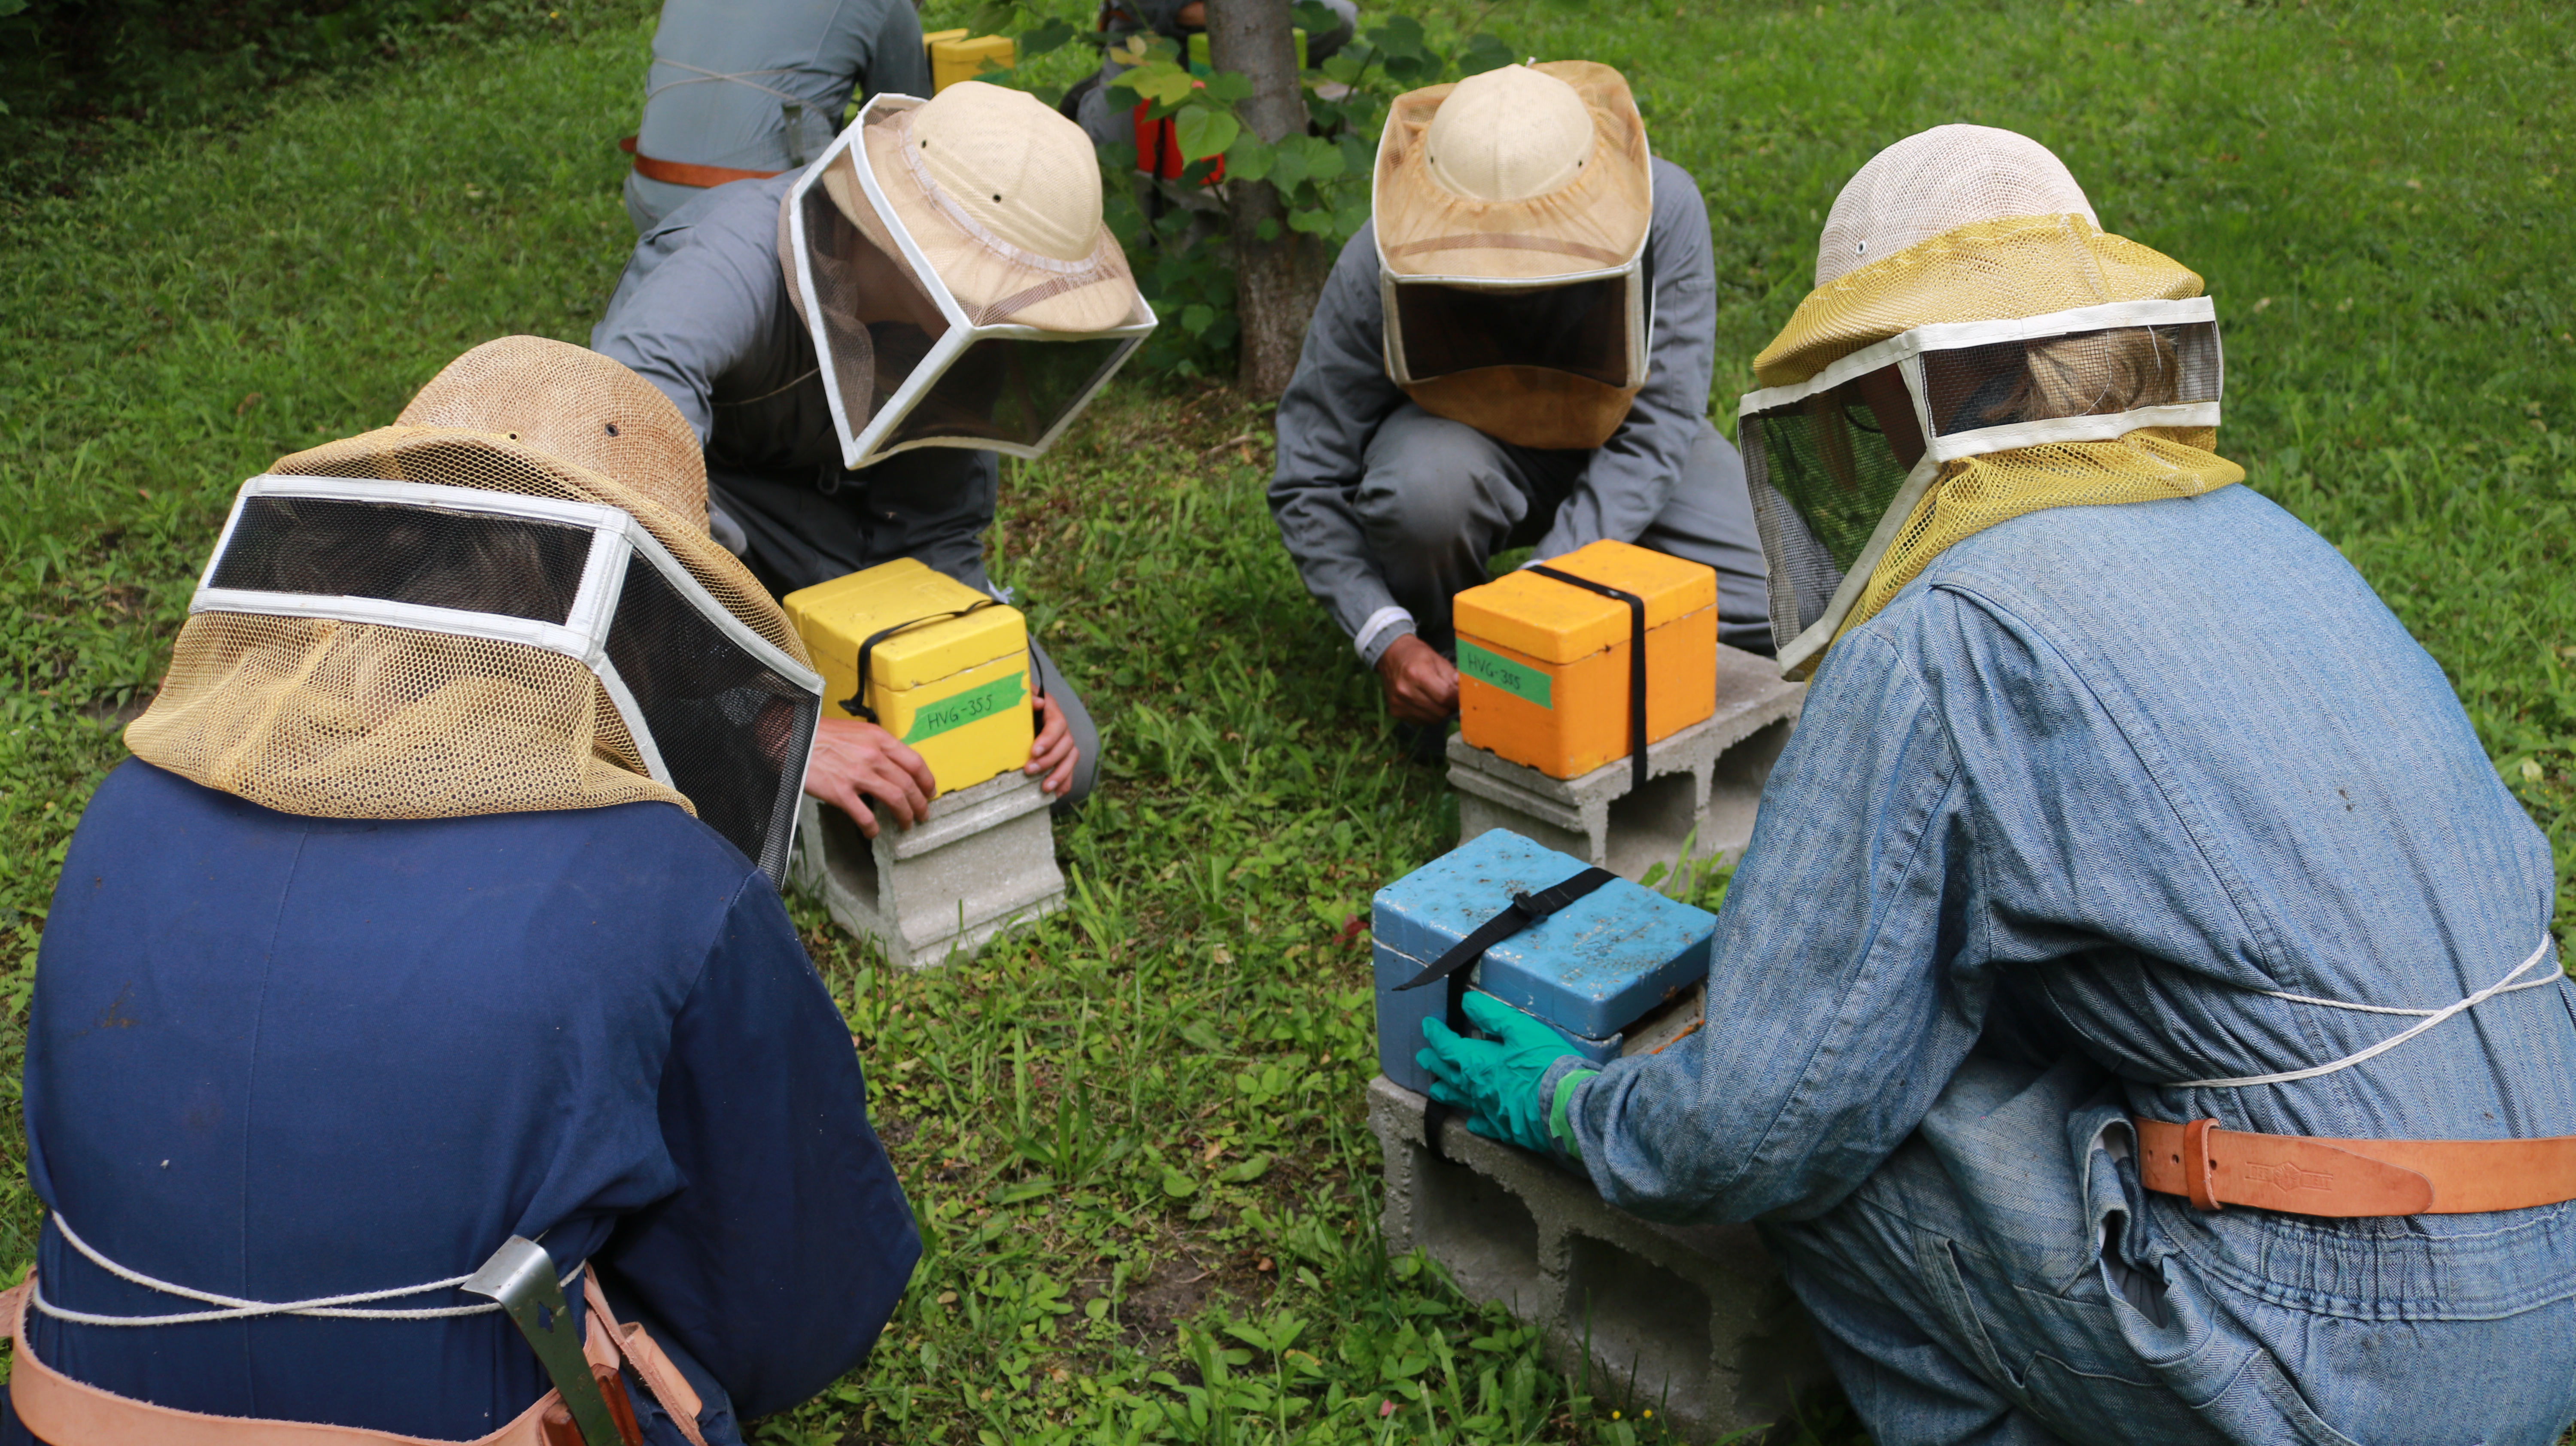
column 1439, row 498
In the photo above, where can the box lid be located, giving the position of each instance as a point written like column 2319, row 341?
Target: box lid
column 1591, row 968
column 1542, row 618
column 836, row 617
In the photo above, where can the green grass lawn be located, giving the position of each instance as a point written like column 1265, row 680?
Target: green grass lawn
column 1134, row 1134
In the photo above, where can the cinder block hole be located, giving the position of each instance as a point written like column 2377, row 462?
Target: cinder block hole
column 1648, row 825
column 1644, row 1325
column 1477, row 1229
column 1747, row 765
column 851, row 859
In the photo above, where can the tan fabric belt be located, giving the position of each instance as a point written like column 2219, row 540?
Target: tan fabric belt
column 2215, row 1168
column 64, row 1412
column 681, row 173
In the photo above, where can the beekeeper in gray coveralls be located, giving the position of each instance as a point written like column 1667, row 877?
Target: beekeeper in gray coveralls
column 744, row 91
column 1515, row 352
column 854, row 343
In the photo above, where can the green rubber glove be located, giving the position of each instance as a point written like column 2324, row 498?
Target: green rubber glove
column 1495, row 1081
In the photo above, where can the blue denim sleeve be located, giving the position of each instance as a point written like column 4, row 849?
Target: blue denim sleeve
column 781, row 1259
column 1831, row 1026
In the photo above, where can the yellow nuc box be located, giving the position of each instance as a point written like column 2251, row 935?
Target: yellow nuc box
column 1543, row 675
column 950, row 677
column 954, row 57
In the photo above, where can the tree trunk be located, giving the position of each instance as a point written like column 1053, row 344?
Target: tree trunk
column 1277, row 280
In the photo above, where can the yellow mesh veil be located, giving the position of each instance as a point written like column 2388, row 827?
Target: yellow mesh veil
column 2001, row 269
column 335, row 719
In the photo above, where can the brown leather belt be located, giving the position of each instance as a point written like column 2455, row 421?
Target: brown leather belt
column 681, row 173
column 2215, row 1168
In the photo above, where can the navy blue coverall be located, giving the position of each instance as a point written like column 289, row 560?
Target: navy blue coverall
column 281, row 1058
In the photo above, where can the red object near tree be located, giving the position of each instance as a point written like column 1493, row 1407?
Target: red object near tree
column 1158, row 147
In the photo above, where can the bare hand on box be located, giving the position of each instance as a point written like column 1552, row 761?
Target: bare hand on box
column 858, row 763
column 1053, row 754
column 1421, row 685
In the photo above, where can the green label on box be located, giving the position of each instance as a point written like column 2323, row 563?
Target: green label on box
column 1519, row 680
column 972, row 706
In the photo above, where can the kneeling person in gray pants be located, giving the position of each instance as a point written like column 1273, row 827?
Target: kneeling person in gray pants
column 1566, row 408
column 850, row 402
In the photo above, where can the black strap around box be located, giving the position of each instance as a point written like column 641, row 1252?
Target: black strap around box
column 1523, row 911
column 856, row 705
column 1636, row 665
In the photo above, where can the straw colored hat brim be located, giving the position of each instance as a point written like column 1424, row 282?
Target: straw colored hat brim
column 994, row 280
column 1595, row 221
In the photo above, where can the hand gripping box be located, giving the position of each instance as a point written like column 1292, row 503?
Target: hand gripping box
column 1618, row 971
column 948, row 670
column 1544, row 675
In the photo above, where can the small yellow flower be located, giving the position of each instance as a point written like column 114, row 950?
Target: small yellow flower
column 1614, row 1415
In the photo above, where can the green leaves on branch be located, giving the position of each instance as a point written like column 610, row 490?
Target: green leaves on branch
column 1295, row 159
column 1053, row 35
column 1321, row 174
column 1204, row 131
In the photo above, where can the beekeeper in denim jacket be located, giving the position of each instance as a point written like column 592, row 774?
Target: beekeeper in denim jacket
column 2135, row 1015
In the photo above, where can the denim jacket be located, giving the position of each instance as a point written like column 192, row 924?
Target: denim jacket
column 2104, row 784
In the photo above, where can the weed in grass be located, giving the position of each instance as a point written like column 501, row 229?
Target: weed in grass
column 1133, row 1133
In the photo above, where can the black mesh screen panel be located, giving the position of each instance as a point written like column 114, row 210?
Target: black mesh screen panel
column 875, row 321
column 1581, row 327
column 1005, row 389
column 401, row 552
column 2090, row 373
column 732, row 732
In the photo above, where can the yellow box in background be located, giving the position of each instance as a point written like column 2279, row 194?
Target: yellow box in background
column 1543, row 666
column 955, row 690
column 953, row 57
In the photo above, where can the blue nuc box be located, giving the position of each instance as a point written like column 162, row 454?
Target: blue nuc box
column 1594, row 970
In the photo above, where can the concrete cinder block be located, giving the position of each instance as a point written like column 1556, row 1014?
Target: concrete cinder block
column 1695, row 1321
column 1703, row 784
column 982, row 861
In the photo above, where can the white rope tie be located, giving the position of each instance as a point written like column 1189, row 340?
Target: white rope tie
column 2430, row 1018
column 235, row 1308
column 702, row 75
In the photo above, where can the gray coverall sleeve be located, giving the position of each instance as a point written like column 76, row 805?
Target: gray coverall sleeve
column 1633, row 474
column 893, row 60
column 684, row 315
column 1334, row 404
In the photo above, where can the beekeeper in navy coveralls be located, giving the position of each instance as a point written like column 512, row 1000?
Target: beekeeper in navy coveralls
column 1567, row 406
column 746, row 91
column 1003, row 195
column 2118, row 805
column 384, row 949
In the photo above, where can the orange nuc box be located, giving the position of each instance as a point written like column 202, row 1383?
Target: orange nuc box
column 1543, row 665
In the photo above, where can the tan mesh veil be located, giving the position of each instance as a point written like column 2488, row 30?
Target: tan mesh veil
column 1595, row 223
column 335, row 719
column 2013, row 267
